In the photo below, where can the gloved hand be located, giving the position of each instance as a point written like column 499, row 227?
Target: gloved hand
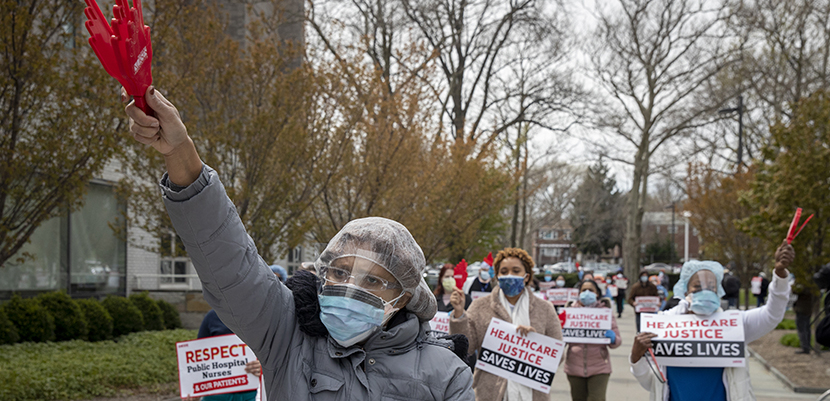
column 610, row 334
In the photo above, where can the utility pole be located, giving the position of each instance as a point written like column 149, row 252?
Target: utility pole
column 671, row 256
column 740, row 111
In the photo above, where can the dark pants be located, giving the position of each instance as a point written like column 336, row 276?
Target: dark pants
column 760, row 299
column 637, row 319
column 589, row 388
column 733, row 302
column 620, row 302
column 802, row 324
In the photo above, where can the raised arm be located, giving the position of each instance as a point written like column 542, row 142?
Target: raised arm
column 760, row 321
column 236, row 282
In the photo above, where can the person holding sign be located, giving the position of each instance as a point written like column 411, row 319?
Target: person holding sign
column 700, row 285
column 760, row 285
column 358, row 329
column 642, row 288
column 588, row 366
column 212, row 326
column 513, row 302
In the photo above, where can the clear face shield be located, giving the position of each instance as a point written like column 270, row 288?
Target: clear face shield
column 702, row 280
column 359, row 277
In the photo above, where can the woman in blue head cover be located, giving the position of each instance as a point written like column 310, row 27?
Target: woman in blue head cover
column 700, row 290
column 511, row 301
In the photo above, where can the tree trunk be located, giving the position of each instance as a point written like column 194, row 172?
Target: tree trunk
column 634, row 213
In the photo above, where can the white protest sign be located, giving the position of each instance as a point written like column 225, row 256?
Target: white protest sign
column 561, row 296
column 214, row 365
column 612, row 289
column 756, row 285
column 478, row 294
column 540, row 295
column 622, row 283
column 440, row 322
column 646, row 304
column 716, row 340
column 586, row 325
column 530, row 360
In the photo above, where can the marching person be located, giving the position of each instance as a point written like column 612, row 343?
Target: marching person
column 642, row 288
column 700, row 284
column 444, row 289
column 356, row 330
column 622, row 285
column 761, row 296
column 212, row 326
column 512, row 302
column 588, row 366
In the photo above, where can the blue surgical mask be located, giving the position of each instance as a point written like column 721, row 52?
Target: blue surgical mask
column 560, row 283
column 485, row 275
column 548, row 278
column 587, row 298
column 512, row 285
column 705, row 302
column 351, row 314
column 643, row 279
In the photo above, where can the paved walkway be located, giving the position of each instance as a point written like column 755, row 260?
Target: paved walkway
column 622, row 386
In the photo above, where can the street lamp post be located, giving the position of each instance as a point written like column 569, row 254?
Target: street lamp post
column 740, row 111
column 671, row 256
column 686, row 214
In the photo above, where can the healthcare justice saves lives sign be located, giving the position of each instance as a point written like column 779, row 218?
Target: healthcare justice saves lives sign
column 716, row 340
column 530, row 360
column 586, row 325
column 214, row 365
column 646, row 304
column 440, row 322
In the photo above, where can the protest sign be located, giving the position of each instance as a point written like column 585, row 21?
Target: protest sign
column 621, row 283
column 586, row 325
column 612, row 289
column 755, row 284
column 561, row 296
column 716, row 340
column 646, row 304
column 214, row 365
column 440, row 322
column 530, row 360
column 540, row 295
column 478, row 294
column 544, row 286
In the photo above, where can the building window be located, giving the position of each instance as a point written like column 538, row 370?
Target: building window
column 84, row 252
column 173, row 266
column 657, row 229
column 546, row 234
column 555, row 234
column 567, row 234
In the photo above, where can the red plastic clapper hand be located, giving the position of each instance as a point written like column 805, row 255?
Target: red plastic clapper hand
column 124, row 47
column 792, row 233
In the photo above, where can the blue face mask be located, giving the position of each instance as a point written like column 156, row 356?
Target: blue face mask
column 587, row 298
column 485, row 275
column 512, row 285
column 548, row 278
column 350, row 314
column 705, row 302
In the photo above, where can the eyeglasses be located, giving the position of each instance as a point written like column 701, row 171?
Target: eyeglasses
column 366, row 281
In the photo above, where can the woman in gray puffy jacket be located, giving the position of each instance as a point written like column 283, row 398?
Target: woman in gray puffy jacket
column 357, row 330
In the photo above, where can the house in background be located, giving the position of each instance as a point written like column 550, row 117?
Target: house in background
column 552, row 244
column 657, row 226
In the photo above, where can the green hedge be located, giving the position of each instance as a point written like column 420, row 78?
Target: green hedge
column 8, row 333
column 99, row 321
column 126, row 317
column 70, row 323
column 172, row 320
column 150, row 311
column 32, row 320
column 786, row 324
column 75, row 370
column 791, row 340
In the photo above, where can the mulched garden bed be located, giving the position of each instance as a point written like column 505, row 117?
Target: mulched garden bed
column 802, row 370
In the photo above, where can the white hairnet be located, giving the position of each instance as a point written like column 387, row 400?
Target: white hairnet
column 693, row 266
column 388, row 244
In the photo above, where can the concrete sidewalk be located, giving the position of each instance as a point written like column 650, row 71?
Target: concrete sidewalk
column 622, row 386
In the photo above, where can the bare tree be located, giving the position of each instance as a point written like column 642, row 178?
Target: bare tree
column 656, row 61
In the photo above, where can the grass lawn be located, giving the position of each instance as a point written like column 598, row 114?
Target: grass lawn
column 75, row 370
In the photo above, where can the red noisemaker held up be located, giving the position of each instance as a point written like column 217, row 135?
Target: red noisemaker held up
column 792, row 233
column 460, row 273
column 124, row 47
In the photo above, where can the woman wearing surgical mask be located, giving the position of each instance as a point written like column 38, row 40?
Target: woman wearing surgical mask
column 588, row 366
column 446, row 286
column 356, row 330
column 700, row 284
column 513, row 302
column 641, row 288
column 560, row 282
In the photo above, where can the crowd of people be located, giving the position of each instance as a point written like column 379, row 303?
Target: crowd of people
column 356, row 325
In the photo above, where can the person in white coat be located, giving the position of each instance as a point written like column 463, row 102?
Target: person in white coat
column 700, row 282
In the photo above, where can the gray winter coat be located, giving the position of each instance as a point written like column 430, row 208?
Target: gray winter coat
column 403, row 363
